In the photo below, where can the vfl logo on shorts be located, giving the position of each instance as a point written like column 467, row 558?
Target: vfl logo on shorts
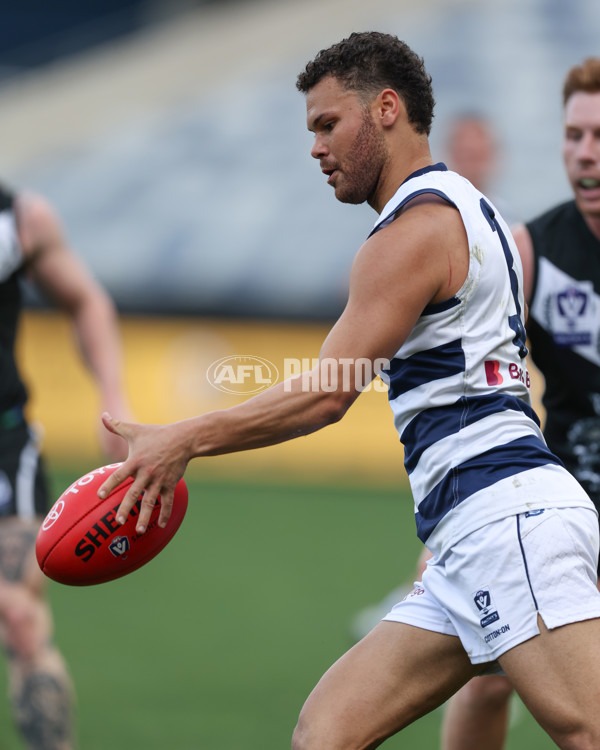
column 483, row 602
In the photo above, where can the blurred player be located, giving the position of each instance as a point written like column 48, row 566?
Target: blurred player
column 560, row 251
column 436, row 301
column 472, row 150
column 32, row 245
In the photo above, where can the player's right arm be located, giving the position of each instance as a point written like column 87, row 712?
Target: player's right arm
column 421, row 257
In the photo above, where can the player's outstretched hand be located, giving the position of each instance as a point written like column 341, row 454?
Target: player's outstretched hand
column 112, row 444
column 157, row 460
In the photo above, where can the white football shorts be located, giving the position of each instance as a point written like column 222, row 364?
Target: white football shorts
column 491, row 587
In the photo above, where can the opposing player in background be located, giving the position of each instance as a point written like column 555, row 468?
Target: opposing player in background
column 33, row 246
column 436, row 300
column 560, row 251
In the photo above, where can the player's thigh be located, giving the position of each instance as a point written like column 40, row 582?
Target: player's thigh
column 395, row 674
column 557, row 674
column 25, row 620
column 17, row 552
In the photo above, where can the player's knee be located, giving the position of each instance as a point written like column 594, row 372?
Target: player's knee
column 322, row 734
column 308, row 736
column 299, row 737
column 489, row 691
column 305, row 736
column 575, row 733
column 578, row 739
column 26, row 627
column 306, row 740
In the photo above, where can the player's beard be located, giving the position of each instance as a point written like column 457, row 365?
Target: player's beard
column 363, row 166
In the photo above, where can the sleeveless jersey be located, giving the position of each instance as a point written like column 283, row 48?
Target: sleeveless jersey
column 12, row 391
column 459, row 387
column 564, row 330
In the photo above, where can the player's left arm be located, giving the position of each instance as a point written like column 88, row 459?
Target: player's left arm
column 59, row 273
column 420, row 258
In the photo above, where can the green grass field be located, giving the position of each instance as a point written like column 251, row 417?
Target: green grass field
column 215, row 644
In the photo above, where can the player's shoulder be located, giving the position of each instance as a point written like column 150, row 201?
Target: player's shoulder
column 420, row 220
column 33, row 207
column 426, row 221
column 37, row 222
column 417, row 250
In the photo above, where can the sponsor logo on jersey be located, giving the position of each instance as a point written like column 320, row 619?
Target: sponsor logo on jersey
column 492, row 372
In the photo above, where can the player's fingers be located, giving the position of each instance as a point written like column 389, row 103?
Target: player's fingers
column 148, row 502
column 133, row 494
column 119, row 475
column 166, row 506
column 116, row 426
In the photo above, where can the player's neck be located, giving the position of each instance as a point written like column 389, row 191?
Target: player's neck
column 401, row 168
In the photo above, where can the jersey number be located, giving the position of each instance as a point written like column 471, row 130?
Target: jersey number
column 514, row 321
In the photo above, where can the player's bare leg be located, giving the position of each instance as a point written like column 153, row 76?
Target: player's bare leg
column 477, row 716
column 393, row 676
column 557, row 674
column 40, row 688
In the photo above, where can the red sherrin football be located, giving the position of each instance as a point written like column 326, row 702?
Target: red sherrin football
column 80, row 542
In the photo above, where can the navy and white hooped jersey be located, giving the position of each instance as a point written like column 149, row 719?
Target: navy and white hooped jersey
column 459, row 386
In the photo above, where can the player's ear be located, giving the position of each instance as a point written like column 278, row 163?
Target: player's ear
column 390, row 106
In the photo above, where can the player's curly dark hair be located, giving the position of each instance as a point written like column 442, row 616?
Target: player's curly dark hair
column 370, row 61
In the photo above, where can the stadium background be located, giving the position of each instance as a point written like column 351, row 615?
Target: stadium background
column 171, row 139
